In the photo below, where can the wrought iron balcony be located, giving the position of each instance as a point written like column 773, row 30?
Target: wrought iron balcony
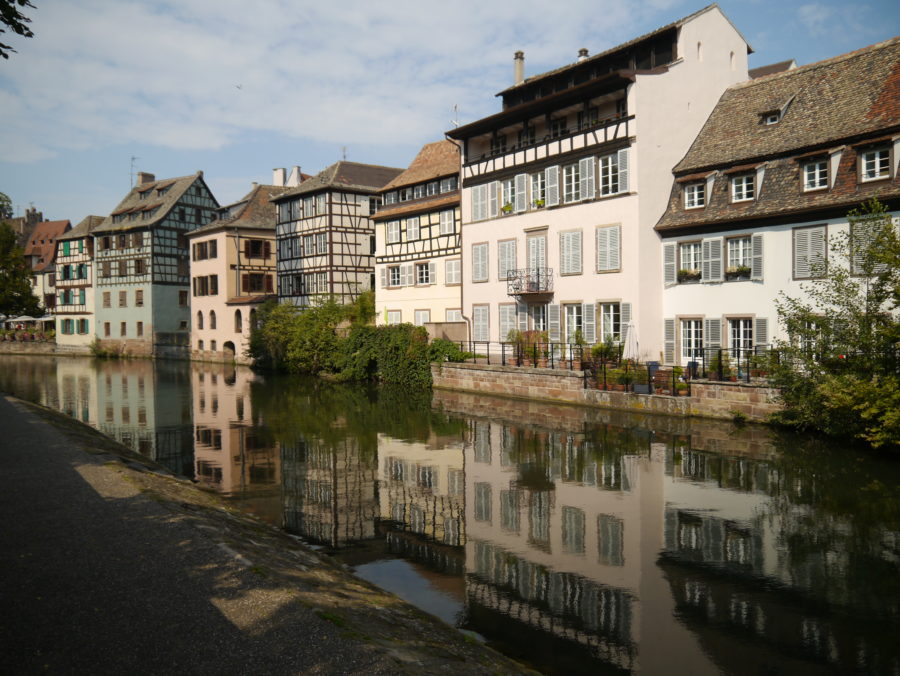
column 528, row 281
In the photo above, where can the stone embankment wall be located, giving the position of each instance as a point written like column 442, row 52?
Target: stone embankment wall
column 712, row 400
column 35, row 347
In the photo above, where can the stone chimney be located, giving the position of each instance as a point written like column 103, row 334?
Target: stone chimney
column 143, row 177
column 519, row 68
column 582, row 54
column 278, row 178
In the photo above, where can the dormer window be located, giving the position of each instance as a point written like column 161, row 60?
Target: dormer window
column 419, row 191
column 875, row 164
column 743, row 188
column 695, row 195
column 815, row 175
column 771, row 117
column 498, row 144
column 558, row 127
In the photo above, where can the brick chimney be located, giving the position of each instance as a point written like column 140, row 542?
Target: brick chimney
column 143, row 177
column 519, row 68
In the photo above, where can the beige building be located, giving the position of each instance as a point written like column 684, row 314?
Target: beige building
column 232, row 273
column 417, row 244
column 75, row 285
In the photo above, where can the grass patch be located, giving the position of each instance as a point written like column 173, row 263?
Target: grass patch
column 336, row 620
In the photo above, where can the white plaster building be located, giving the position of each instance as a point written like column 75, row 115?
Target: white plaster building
column 768, row 181
column 562, row 188
column 75, row 285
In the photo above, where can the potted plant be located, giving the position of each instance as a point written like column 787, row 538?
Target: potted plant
column 517, row 340
column 539, row 204
column 681, row 389
column 737, row 272
column 687, row 276
column 506, row 208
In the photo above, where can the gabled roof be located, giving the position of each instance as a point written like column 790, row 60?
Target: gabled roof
column 253, row 210
column 830, row 101
column 42, row 242
column 133, row 202
column 434, row 160
column 345, row 176
column 87, row 225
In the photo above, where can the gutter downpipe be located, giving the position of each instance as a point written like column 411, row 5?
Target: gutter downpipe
column 462, row 278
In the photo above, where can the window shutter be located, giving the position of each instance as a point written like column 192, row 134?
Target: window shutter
column 614, row 247
column 589, row 323
column 522, row 310
column 669, row 264
column 521, row 189
column 553, row 321
column 712, row 260
column 247, row 248
column 576, row 252
column 384, row 277
column 480, row 322
column 712, row 333
column 479, row 262
column 245, row 283
column 608, row 248
column 551, row 185
column 623, row 170
column 801, row 253
column 432, row 273
column 479, row 194
column 586, row 170
column 409, row 275
column 507, row 321
column 669, row 341
column 81, row 297
column 269, row 286
column 756, row 250
column 817, row 252
column 624, row 321
column 493, row 198
column 760, row 332
column 267, row 250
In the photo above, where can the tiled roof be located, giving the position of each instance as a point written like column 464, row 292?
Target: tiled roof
column 433, row 161
column 347, row 176
column 133, row 202
column 417, row 206
column 253, row 210
column 42, row 242
column 829, row 101
column 771, row 68
column 87, row 225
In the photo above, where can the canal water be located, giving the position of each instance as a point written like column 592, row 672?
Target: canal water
column 576, row 540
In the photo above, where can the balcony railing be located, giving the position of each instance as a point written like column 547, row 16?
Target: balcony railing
column 529, row 280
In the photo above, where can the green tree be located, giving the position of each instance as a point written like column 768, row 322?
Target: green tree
column 838, row 372
column 16, row 296
column 13, row 19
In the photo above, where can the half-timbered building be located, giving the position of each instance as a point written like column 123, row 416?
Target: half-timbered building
column 417, row 241
column 40, row 252
column 562, row 188
column 142, row 265
column 325, row 236
column 232, row 273
column 75, row 285
column 768, row 181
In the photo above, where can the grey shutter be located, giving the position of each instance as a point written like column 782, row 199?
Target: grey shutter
column 614, row 247
column 801, row 253
column 756, row 251
column 432, row 273
column 586, row 170
column 670, row 276
column 624, row 320
column 712, row 332
column 553, row 321
column 551, row 185
column 522, row 311
column 493, row 203
column 817, row 252
column 623, row 170
column 760, row 332
column 712, row 260
column 408, row 276
column 521, row 193
column 383, row 277
column 479, row 195
column 669, row 341
column 589, row 323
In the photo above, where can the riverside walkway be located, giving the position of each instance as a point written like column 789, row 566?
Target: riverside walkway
column 109, row 567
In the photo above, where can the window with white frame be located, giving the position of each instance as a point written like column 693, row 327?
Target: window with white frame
column 740, row 332
column 573, row 530
column 507, row 320
column 418, row 191
column 739, row 254
column 480, row 262
column 815, row 175
column 614, row 173
column 810, row 255
column 557, row 127
column 508, row 195
column 506, row 258
column 538, row 316
column 394, row 275
column 322, row 243
column 422, row 317
column 480, row 322
column 743, row 187
column 423, row 273
column 498, row 144
column 448, row 227
column 690, row 256
column 875, row 164
column 695, row 195
column 538, row 189
column 412, row 229
column 320, row 204
column 321, row 282
column 393, row 316
column 572, row 182
column 691, row 338
column 570, row 252
column 449, row 183
column 431, row 188
column 608, row 248
column 393, row 232
column 453, row 315
column 452, row 269
column 574, row 320
column 611, row 322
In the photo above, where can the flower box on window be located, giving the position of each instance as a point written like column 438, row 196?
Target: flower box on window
column 688, row 276
column 737, row 273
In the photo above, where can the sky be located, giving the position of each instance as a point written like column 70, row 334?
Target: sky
column 106, row 88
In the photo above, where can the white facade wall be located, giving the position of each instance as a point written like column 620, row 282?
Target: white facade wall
column 75, row 312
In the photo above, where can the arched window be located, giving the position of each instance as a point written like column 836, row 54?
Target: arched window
column 199, row 319
column 238, row 322
column 252, row 320
column 212, row 319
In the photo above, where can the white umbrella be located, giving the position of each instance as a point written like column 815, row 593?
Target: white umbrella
column 631, row 350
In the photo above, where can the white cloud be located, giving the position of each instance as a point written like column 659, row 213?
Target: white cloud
column 197, row 74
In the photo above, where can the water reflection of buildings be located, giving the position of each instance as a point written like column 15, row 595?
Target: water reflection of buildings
column 233, row 455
